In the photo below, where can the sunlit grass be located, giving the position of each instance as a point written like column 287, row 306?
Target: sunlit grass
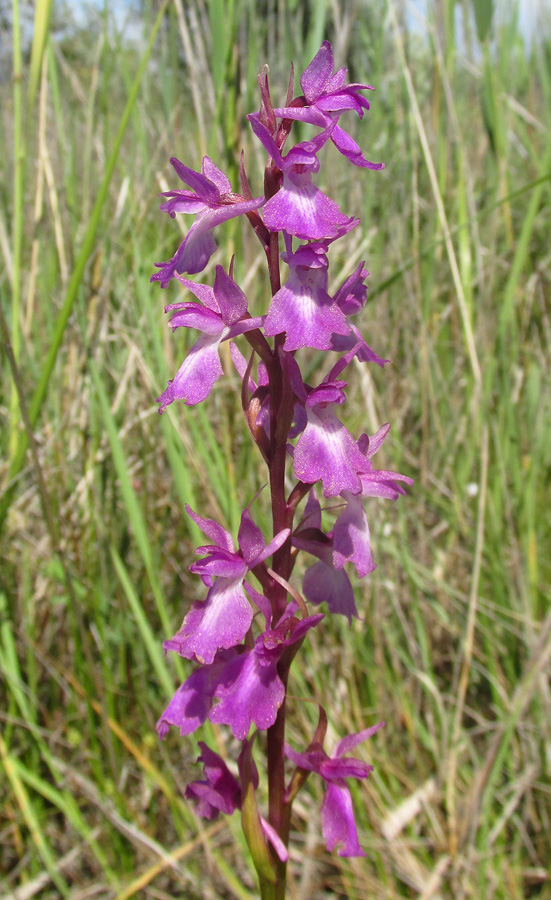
column 455, row 639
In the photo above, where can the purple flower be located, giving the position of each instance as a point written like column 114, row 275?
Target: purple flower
column 253, row 691
column 326, row 450
column 193, row 700
column 351, row 538
column 299, row 207
column 220, row 791
column 324, row 582
column 337, row 815
column 224, row 618
column 213, row 202
column 302, row 308
column 379, row 482
column 221, row 317
column 350, row 298
column 350, row 535
column 245, row 681
column 325, row 93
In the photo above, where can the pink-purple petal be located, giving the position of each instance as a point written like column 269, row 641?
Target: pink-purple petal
column 337, row 769
column 214, row 531
column 250, row 537
column 317, row 74
column 196, row 376
column 351, row 539
column 277, row 541
column 228, row 565
column 219, row 622
column 303, row 760
column 203, row 186
column 203, row 292
column 266, row 139
column 214, row 174
column 324, row 584
column 229, row 296
column 327, row 451
column 181, row 202
column 350, row 149
column 251, row 693
column 193, row 315
column 191, row 703
column 191, row 256
column 308, row 114
column 352, row 740
column 337, row 821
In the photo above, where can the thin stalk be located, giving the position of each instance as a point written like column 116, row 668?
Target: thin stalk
column 18, row 161
column 281, row 414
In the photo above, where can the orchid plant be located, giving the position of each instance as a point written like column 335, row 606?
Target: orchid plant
column 245, row 634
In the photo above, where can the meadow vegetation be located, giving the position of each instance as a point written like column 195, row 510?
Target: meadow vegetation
column 454, row 645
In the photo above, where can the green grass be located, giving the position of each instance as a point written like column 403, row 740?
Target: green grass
column 454, row 645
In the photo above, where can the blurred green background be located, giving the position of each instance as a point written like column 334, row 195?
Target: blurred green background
column 454, row 644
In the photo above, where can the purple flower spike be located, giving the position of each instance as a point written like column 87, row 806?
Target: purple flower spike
column 213, row 202
column 221, row 318
column 326, row 450
column 299, row 207
column 337, row 815
column 223, row 619
column 302, row 308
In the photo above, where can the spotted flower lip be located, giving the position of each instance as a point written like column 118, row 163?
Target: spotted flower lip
column 302, row 308
column 212, row 201
column 326, row 450
column 299, row 207
column 337, row 814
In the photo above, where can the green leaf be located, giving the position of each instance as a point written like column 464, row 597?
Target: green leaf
column 483, row 12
